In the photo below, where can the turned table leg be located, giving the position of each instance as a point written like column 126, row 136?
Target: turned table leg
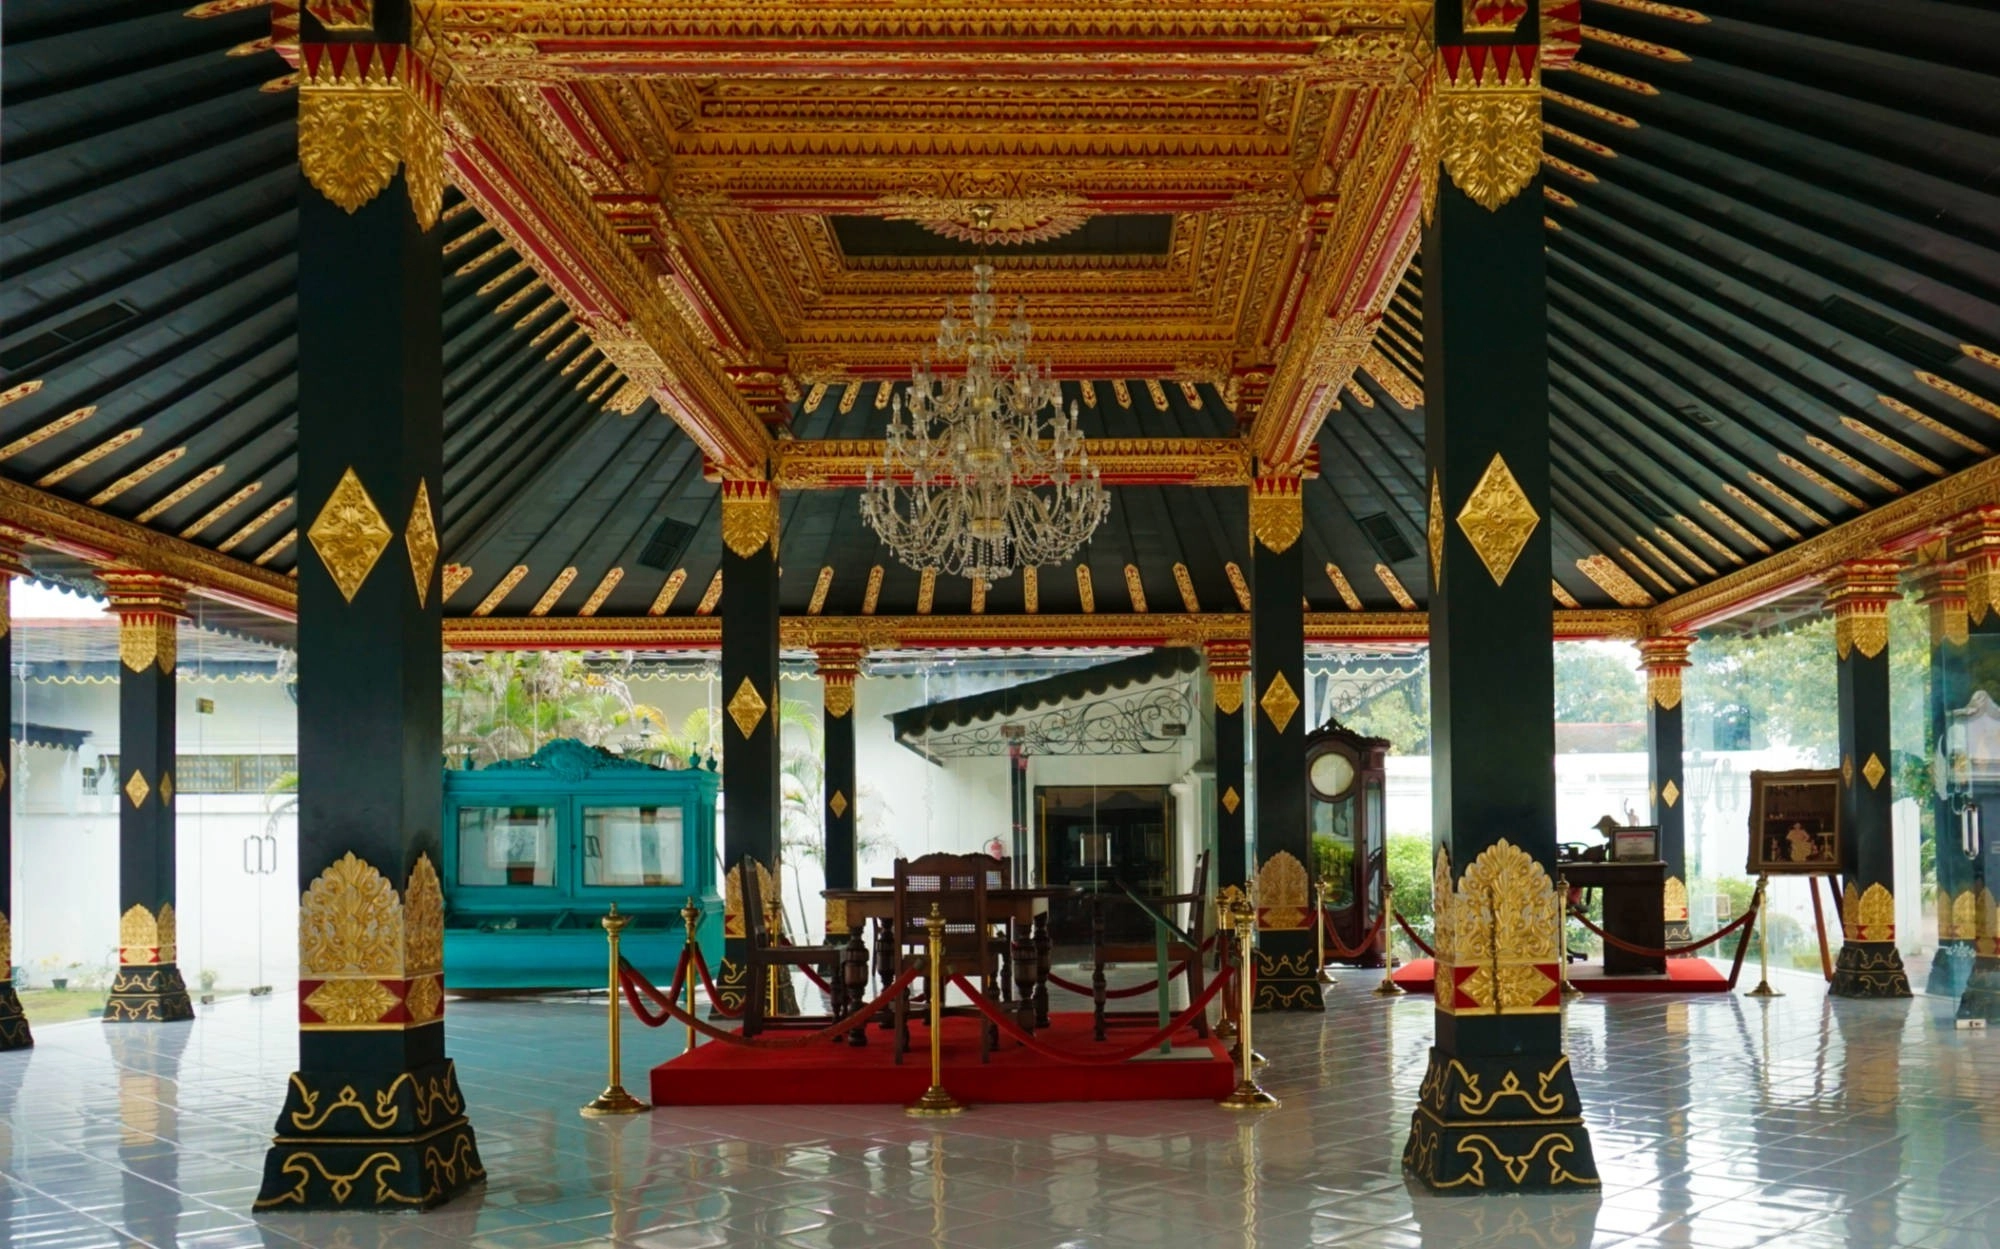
column 1025, row 973
column 1043, row 947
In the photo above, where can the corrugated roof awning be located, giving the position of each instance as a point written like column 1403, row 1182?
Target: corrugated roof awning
column 1068, row 713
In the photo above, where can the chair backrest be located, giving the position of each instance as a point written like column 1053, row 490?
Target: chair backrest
column 956, row 884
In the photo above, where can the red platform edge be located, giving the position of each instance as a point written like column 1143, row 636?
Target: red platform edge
column 829, row 1074
column 1684, row 975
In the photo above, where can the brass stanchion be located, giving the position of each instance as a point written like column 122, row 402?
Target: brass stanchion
column 1386, row 904
column 1225, row 1028
column 1757, row 900
column 1562, row 939
column 614, row 1100
column 936, row 1101
column 1246, row 1095
column 691, row 916
column 1319, row 930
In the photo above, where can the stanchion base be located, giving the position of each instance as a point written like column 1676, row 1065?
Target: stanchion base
column 1388, row 987
column 1247, row 1096
column 1764, row 989
column 1256, row 1059
column 614, row 1100
column 1570, row 990
column 1225, row 1030
column 1326, row 977
column 936, row 1103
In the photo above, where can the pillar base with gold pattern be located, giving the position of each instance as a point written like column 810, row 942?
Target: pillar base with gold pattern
column 1869, row 969
column 371, row 1140
column 148, row 993
column 1287, row 966
column 1502, row 1123
column 14, row 1033
column 1951, row 969
column 1981, row 999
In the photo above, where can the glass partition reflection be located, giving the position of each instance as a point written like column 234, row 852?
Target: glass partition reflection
column 632, row 846
column 501, row 846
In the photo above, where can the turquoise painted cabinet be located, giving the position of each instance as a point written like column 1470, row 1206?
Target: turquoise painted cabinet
column 536, row 850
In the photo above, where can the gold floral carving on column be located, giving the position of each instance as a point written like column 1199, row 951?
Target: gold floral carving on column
column 1941, row 590
column 1868, row 915
column 1231, row 800
column 1964, row 915
column 732, row 897
column 837, row 804
column 1674, row 901
column 1873, row 771
column 349, row 534
column 1281, row 893
column 146, row 639
column 1670, row 793
column 1486, row 120
column 169, row 934
column 367, row 958
column 420, row 539
column 1276, row 514
column 1229, row 692
column 749, row 516
column 1498, row 519
column 139, row 937
column 746, row 707
column 839, row 667
column 1496, row 935
column 137, row 789
column 6, row 949
column 1976, row 541
column 839, row 698
column 364, row 110
column 1228, row 663
column 166, row 789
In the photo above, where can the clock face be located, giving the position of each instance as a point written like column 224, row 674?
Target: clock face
column 1332, row 775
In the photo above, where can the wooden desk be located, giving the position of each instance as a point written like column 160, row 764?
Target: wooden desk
column 1634, row 909
column 1026, row 911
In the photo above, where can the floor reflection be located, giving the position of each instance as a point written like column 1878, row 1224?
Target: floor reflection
column 1717, row 1122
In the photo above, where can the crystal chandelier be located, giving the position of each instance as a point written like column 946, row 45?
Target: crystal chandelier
column 972, row 480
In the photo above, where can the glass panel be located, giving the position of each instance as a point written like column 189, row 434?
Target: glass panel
column 632, row 846
column 506, row 846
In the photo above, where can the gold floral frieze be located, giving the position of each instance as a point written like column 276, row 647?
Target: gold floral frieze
column 145, row 938
column 368, row 958
column 1485, row 120
column 366, row 110
column 749, row 517
column 1868, row 915
column 1276, row 513
column 1281, row 893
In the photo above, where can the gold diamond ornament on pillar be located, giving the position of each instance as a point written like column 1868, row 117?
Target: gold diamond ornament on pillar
column 1873, row 770
column 1498, row 519
column 420, row 538
column 349, row 534
column 838, row 803
column 746, row 707
column 1280, row 702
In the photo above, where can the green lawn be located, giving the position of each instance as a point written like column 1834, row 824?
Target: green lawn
column 46, row 1006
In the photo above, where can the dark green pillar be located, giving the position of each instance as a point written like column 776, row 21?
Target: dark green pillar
column 838, row 670
column 1941, row 591
column 1287, row 974
column 1492, row 662
column 750, row 807
column 147, row 987
column 14, row 1033
column 1228, row 665
column 1664, row 659
column 1869, row 964
column 374, row 1118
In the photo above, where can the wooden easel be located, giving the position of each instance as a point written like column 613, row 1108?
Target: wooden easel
column 1819, row 920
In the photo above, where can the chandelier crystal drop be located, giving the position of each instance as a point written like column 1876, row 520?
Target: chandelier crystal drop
column 973, row 480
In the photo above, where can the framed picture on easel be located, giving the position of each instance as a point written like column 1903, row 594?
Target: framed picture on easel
column 1795, row 823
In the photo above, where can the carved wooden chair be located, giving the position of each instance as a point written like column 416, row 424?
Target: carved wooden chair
column 975, row 944
column 1180, row 953
column 766, row 953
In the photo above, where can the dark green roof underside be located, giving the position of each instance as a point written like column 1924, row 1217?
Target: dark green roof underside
column 1806, row 152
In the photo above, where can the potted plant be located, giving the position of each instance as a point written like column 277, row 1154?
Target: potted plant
column 207, row 979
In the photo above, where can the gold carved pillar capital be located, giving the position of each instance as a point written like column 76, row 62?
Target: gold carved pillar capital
column 1228, row 664
column 1277, row 514
column 1859, row 593
column 366, row 109
column 1483, row 122
column 1941, row 590
column 749, row 515
column 1975, row 542
column 839, row 664
column 150, row 608
column 1664, row 659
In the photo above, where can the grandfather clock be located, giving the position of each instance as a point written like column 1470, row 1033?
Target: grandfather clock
column 1344, row 779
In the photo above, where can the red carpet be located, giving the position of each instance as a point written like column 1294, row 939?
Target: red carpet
column 719, row 1074
column 1684, row 975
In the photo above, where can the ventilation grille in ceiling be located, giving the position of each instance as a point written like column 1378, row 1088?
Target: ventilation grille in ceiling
column 669, row 542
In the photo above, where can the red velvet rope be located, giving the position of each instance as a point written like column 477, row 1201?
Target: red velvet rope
column 1341, row 951
column 1013, row 1031
column 1672, row 951
column 1415, row 940
column 634, row 982
column 673, row 991
column 1084, row 990
column 816, row 978
column 716, row 1005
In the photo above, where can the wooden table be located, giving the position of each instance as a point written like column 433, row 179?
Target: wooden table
column 1026, row 911
column 1633, row 911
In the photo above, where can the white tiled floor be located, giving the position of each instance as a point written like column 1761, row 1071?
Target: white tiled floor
column 1718, row 1122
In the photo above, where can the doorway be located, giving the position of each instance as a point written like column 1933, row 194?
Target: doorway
column 1098, row 837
